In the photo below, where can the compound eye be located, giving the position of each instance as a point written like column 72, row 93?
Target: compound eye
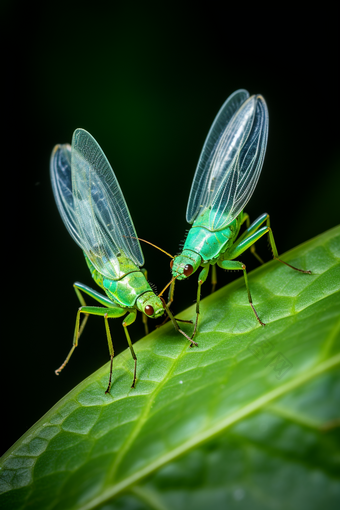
column 188, row 269
column 171, row 263
column 149, row 310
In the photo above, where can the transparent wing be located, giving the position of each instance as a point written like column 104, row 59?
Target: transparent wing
column 200, row 193
column 231, row 160
column 61, row 178
column 237, row 162
column 104, row 222
column 92, row 205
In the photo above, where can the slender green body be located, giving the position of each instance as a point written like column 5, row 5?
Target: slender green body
column 204, row 246
column 130, row 289
column 94, row 211
column 226, row 175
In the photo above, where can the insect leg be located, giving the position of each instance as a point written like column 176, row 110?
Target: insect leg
column 108, row 313
column 213, row 278
column 251, row 229
column 129, row 319
column 86, row 316
column 201, row 279
column 112, row 312
column 245, row 218
column 103, row 300
column 75, row 343
column 276, row 255
column 171, row 293
column 111, row 350
column 145, row 322
column 235, row 264
column 245, row 242
column 144, row 316
column 174, row 322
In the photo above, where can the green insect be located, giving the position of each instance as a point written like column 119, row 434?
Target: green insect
column 226, row 175
column 95, row 213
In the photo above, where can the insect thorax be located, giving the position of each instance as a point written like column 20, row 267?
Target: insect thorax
column 124, row 290
column 211, row 244
column 127, row 290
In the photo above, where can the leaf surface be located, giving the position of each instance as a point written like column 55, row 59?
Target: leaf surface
column 249, row 418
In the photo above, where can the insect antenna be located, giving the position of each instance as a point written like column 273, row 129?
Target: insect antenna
column 170, row 282
column 154, row 245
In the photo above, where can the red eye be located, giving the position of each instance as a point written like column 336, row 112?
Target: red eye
column 188, row 269
column 171, row 263
column 149, row 310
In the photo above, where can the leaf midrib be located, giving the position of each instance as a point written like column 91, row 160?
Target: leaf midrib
column 215, row 430
column 142, row 419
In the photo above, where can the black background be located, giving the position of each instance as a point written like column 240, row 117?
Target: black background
column 147, row 85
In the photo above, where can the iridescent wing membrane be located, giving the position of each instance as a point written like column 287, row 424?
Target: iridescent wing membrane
column 92, row 204
column 231, row 160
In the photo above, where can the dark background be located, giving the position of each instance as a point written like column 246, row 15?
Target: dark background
column 147, row 85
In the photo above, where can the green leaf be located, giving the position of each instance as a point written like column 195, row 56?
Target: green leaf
column 249, row 419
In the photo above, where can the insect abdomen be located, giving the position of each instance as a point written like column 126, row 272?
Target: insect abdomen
column 208, row 244
column 98, row 278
